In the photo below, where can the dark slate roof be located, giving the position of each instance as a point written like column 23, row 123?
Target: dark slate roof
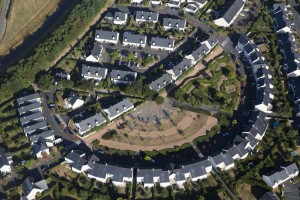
column 285, row 38
column 292, row 66
column 73, row 96
column 262, row 97
column 39, row 147
column 45, row 134
column 179, row 175
column 294, row 85
column 262, row 72
column 143, row 15
column 174, row 23
column 28, row 98
column 97, row 72
column 243, row 40
column 92, row 160
column 91, row 122
column 28, row 108
column 30, row 118
column 120, row 173
column 164, row 177
column 195, row 169
column 74, row 155
column 233, row 10
column 98, row 170
column 121, row 75
column 161, row 82
column 162, row 42
column 134, row 38
column 184, row 65
column 281, row 20
column 106, row 35
column 147, row 174
column 200, row 52
column 97, row 49
column 29, row 184
column 79, row 163
column 291, row 169
column 226, row 158
column 212, row 40
column 119, row 107
column 257, row 115
column 34, row 127
column 253, row 142
column 3, row 160
column 269, row 196
column 120, row 16
column 249, row 48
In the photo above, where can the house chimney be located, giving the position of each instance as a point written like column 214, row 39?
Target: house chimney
column 113, row 37
column 141, row 41
column 89, row 72
column 124, row 107
column 169, row 44
column 117, row 110
column 97, row 74
column 142, row 16
column 97, row 36
column 170, row 24
column 125, row 39
column 153, row 43
column 118, row 76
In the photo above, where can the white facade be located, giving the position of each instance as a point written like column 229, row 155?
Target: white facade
column 40, row 153
column 5, row 169
column 78, row 103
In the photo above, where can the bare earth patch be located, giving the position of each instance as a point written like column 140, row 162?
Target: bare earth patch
column 230, row 89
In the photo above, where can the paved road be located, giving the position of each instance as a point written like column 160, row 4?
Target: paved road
column 3, row 10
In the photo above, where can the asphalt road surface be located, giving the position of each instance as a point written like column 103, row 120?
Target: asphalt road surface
column 3, row 10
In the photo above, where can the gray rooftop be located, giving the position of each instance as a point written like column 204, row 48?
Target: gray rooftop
column 134, row 38
column 39, row 147
column 74, row 155
column 106, row 35
column 125, row 76
column 174, row 23
column 31, row 118
column 184, row 65
column 97, row 49
column 291, row 169
column 27, row 98
column 121, row 173
column 200, row 52
column 162, row 42
column 118, row 108
column 29, row 108
column 91, row 122
column 29, row 184
column 120, row 16
column 35, row 127
column 35, row 138
column 233, row 10
column 161, row 82
column 96, row 72
column 148, row 16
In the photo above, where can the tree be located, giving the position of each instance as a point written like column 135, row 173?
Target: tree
column 45, row 81
column 159, row 100
column 114, row 55
column 131, row 56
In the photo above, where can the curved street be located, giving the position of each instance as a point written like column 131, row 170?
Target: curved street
column 3, row 20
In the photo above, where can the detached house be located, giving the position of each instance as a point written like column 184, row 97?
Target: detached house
column 5, row 161
column 276, row 179
column 170, row 23
column 120, row 18
column 89, row 123
column 122, row 77
column 31, row 187
column 132, row 39
column 40, row 148
column 231, row 13
column 76, row 160
column 96, row 73
column 162, row 43
column 107, row 36
column 144, row 16
column 96, row 53
column 160, row 83
column 118, row 109
column 73, row 101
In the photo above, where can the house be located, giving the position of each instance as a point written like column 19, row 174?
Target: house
column 96, row 53
column 40, row 149
column 170, row 23
column 269, row 196
column 199, row 3
column 222, row 161
column 89, row 123
column 30, row 108
column 122, row 176
column 118, row 109
column 161, row 82
column 257, row 129
column 231, row 13
column 148, row 177
column 120, row 18
column 5, row 161
column 264, row 99
column 191, row 8
column 252, row 142
column 32, row 118
column 73, row 101
column 155, row 2
column 96, row 73
column 107, row 36
column 39, row 126
column 47, row 136
column 294, row 83
column 162, row 43
column 276, row 179
column 31, row 187
column 63, row 75
column 198, row 54
column 76, row 160
column 131, row 39
column 194, row 172
column 238, row 151
column 179, row 69
column 122, row 77
column 144, row 16
column 29, row 99
column 280, row 16
column 175, row 3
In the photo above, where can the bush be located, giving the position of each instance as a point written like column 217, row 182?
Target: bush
column 159, row 100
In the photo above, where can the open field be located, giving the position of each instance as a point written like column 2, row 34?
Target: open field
column 154, row 127
column 21, row 23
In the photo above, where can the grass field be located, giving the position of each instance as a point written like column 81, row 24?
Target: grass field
column 23, row 18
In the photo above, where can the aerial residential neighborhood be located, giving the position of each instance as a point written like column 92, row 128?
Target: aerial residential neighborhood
column 159, row 99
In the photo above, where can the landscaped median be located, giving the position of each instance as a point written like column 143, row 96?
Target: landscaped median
column 23, row 74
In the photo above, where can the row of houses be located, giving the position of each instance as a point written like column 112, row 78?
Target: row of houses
column 289, row 49
column 34, row 125
column 189, row 61
column 114, row 111
column 194, row 5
